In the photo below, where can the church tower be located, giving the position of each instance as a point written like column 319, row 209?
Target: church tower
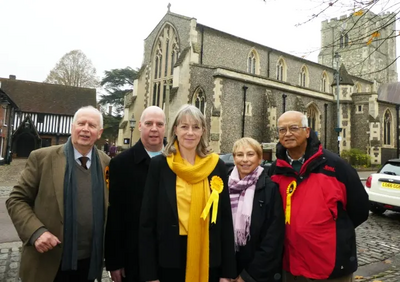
column 366, row 43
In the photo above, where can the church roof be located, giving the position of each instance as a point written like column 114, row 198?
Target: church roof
column 345, row 77
column 389, row 92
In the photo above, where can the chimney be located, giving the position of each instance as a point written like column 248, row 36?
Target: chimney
column 110, row 110
column 13, row 77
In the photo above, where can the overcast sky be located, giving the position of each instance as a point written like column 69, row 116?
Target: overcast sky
column 35, row 34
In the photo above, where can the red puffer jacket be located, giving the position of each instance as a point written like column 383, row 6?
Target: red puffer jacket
column 328, row 203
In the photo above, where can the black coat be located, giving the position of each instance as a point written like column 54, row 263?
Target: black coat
column 159, row 225
column 128, row 172
column 261, row 259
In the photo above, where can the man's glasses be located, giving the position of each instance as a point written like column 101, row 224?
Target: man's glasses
column 292, row 129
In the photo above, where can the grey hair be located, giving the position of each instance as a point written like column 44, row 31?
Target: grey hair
column 193, row 112
column 89, row 108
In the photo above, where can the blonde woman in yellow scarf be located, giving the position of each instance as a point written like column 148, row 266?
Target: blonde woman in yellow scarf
column 186, row 229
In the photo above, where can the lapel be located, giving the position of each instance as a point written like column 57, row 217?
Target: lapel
column 169, row 182
column 139, row 154
column 59, row 162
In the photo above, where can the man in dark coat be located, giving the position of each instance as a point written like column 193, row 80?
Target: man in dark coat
column 128, row 172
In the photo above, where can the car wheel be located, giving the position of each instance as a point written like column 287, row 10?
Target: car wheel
column 377, row 210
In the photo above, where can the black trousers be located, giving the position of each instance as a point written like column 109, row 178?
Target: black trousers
column 178, row 274
column 79, row 275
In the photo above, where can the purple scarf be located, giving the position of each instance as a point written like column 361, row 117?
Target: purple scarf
column 242, row 195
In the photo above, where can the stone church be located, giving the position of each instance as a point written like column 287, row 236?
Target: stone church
column 242, row 87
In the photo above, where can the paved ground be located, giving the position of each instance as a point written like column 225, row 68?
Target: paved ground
column 378, row 239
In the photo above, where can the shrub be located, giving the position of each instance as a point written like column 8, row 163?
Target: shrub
column 356, row 157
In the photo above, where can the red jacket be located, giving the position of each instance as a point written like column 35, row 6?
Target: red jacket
column 325, row 207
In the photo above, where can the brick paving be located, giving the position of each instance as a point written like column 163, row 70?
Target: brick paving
column 10, row 255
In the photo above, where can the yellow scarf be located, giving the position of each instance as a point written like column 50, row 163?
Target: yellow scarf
column 197, row 258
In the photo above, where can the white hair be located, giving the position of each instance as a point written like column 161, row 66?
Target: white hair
column 89, row 108
column 303, row 117
column 304, row 120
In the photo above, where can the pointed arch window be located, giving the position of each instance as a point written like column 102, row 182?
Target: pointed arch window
column 312, row 115
column 165, row 55
column 281, row 70
column 324, row 82
column 303, row 77
column 387, row 128
column 251, row 64
column 199, row 100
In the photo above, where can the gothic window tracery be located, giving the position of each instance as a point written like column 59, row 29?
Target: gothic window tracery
column 303, row 77
column 251, row 65
column 199, row 100
column 312, row 115
column 281, row 70
column 165, row 55
column 324, row 82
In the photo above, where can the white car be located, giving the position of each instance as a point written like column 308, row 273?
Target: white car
column 383, row 188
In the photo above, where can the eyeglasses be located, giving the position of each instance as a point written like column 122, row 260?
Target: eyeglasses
column 292, row 129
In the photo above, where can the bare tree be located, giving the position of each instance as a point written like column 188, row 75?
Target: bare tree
column 74, row 69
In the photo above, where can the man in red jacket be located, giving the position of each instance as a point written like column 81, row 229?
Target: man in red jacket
column 324, row 201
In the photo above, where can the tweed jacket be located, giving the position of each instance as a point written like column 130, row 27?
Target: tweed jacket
column 38, row 201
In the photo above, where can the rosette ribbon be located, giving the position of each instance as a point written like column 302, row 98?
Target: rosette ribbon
column 217, row 185
column 289, row 193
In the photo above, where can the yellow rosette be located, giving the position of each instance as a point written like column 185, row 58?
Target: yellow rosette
column 107, row 176
column 217, row 185
column 289, row 193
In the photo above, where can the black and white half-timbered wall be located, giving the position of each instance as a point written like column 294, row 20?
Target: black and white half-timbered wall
column 46, row 112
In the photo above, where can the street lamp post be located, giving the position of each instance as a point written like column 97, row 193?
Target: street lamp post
column 338, row 129
column 132, row 123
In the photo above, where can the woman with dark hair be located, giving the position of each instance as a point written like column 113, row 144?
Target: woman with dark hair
column 186, row 230
column 258, row 217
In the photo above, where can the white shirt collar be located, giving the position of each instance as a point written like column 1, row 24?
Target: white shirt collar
column 77, row 155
